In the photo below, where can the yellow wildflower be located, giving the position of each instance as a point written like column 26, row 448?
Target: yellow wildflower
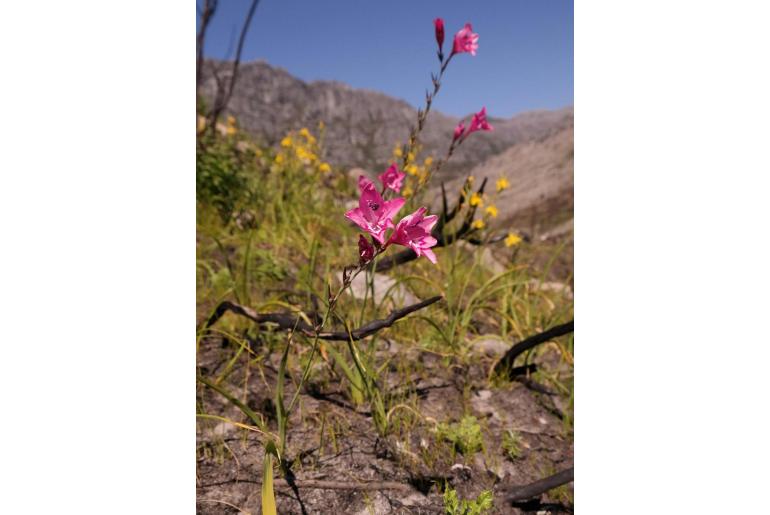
column 398, row 152
column 407, row 191
column 512, row 239
column 321, row 125
column 470, row 179
column 492, row 210
column 231, row 120
column 478, row 224
column 411, row 169
column 410, row 157
column 306, row 134
column 231, row 130
column 324, row 168
column 502, row 184
column 428, row 161
column 475, row 200
column 286, row 142
column 279, row 159
column 305, row 155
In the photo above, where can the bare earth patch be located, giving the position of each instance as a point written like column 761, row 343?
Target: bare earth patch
column 342, row 466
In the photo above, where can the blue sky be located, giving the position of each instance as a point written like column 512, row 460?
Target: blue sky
column 524, row 61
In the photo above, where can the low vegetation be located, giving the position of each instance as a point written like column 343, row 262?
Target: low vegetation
column 349, row 383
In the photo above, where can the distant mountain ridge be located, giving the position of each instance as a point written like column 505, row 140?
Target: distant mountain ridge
column 363, row 126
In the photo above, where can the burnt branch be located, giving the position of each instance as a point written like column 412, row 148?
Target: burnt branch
column 522, row 493
column 225, row 92
column 209, row 9
column 325, row 485
column 288, row 321
column 506, row 362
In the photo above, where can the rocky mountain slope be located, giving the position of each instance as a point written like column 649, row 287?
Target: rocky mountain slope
column 363, row 126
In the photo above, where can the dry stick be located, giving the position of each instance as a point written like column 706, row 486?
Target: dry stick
column 506, row 362
column 345, row 485
column 287, row 321
column 331, row 485
column 209, row 8
column 522, row 493
column 222, row 97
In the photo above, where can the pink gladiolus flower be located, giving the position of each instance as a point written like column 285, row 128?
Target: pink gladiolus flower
column 373, row 214
column 365, row 249
column 466, row 41
column 439, row 24
column 459, row 130
column 392, row 178
column 414, row 232
column 479, row 122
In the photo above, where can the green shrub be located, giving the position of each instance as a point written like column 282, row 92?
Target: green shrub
column 464, row 435
column 477, row 506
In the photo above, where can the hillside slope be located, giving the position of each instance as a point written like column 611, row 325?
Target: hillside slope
column 363, row 126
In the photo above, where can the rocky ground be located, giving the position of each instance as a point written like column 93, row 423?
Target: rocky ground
column 342, row 466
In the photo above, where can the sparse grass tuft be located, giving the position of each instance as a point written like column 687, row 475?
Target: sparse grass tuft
column 512, row 444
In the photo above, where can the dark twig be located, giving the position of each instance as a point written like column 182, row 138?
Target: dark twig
column 209, row 8
column 288, row 321
column 222, row 96
column 522, row 493
column 506, row 362
column 327, row 485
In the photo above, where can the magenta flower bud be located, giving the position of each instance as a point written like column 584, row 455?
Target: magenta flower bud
column 439, row 24
column 365, row 249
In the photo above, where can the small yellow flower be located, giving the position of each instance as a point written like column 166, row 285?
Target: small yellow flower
column 512, row 239
column 231, row 130
column 306, row 156
column 428, row 161
column 231, row 120
column 492, row 210
column 279, row 159
column 410, row 157
column 407, row 192
column 324, row 168
column 470, row 179
column 411, row 169
column 502, row 184
column 321, row 125
column 304, row 132
column 475, row 200
column 478, row 224
column 286, row 142
column 398, row 152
